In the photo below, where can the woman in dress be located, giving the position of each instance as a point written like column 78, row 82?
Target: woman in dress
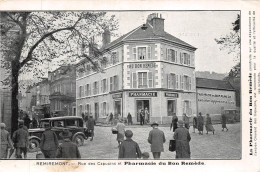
column 200, row 124
column 208, row 125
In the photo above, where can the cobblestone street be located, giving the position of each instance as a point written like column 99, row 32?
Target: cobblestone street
column 222, row 145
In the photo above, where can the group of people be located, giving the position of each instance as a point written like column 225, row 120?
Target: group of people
column 144, row 116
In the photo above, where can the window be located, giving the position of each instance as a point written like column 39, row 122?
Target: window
column 81, row 91
column 185, row 59
column 172, row 81
column 144, row 80
column 116, row 84
column 95, row 88
column 114, row 58
column 86, row 90
column 104, row 86
column 142, row 53
column 171, row 55
column 88, row 109
column 181, row 82
column 111, row 83
column 187, row 107
column 80, row 109
column 187, row 83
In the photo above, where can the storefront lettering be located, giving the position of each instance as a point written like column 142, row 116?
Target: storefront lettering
column 214, row 95
column 115, row 96
column 172, row 95
column 143, row 94
column 141, row 65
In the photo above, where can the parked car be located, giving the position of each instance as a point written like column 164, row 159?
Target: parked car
column 57, row 124
column 232, row 115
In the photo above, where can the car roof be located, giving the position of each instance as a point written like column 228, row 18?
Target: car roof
column 61, row 118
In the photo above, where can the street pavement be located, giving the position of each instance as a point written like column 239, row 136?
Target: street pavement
column 222, row 145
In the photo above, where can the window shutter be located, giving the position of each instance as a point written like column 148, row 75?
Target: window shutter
column 181, row 82
column 167, row 53
column 183, row 106
column 101, row 109
column 162, row 54
column 117, row 56
column 134, row 52
column 177, row 81
column 189, row 83
column 131, row 80
column 168, row 80
column 149, row 52
column 181, row 58
column 134, row 80
column 107, row 85
column 101, row 86
column 94, row 88
column 190, row 109
column 150, row 79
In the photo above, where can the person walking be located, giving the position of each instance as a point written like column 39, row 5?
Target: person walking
column 27, row 121
column 174, row 122
column 6, row 141
column 195, row 122
column 208, row 125
column 34, row 123
column 90, row 125
column 129, row 149
column 224, row 122
column 146, row 115
column 200, row 124
column 49, row 143
column 20, row 139
column 142, row 117
column 111, row 118
column 120, row 127
column 182, row 137
column 129, row 119
column 68, row 149
column 186, row 121
column 156, row 139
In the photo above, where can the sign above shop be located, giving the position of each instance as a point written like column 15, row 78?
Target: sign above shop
column 141, row 65
column 115, row 96
column 143, row 94
column 172, row 95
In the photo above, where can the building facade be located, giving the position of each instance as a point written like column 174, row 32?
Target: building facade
column 214, row 96
column 146, row 68
column 63, row 91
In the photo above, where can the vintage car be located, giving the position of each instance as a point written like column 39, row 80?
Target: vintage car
column 58, row 124
column 232, row 115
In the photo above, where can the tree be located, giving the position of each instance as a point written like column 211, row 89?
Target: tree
column 231, row 43
column 29, row 39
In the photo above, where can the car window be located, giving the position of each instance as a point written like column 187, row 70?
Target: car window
column 58, row 123
column 43, row 124
column 72, row 123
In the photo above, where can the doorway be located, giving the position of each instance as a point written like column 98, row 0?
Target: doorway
column 118, row 108
column 96, row 111
column 143, row 105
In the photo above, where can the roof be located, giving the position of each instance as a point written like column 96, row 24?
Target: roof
column 139, row 34
column 213, row 84
column 61, row 118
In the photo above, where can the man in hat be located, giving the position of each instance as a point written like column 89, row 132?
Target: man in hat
column 90, row 125
column 5, row 141
column 21, row 141
column 182, row 137
column 129, row 149
column 142, row 117
column 49, row 143
column 68, row 149
column 156, row 139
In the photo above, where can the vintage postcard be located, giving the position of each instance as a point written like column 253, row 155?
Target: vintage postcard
column 112, row 86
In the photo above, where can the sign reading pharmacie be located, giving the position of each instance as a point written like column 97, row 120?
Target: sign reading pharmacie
column 142, row 94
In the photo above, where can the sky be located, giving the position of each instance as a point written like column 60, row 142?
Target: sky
column 197, row 28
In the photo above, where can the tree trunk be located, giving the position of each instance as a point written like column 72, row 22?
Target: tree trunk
column 14, row 101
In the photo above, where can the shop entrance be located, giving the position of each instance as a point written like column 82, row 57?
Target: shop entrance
column 143, row 105
column 118, row 108
column 171, row 107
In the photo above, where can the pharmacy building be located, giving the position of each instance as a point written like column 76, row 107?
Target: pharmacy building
column 146, row 69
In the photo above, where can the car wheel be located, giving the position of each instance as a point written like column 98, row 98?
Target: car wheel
column 79, row 140
column 34, row 145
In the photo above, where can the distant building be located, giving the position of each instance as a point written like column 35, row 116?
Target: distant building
column 214, row 96
column 63, row 91
column 146, row 68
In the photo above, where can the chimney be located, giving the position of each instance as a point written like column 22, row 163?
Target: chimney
column 157, row 23
column 106, row 38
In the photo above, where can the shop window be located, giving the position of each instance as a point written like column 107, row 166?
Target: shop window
column 171, row 55
column 187, row 107
column 172, row 81
column 171, row 107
